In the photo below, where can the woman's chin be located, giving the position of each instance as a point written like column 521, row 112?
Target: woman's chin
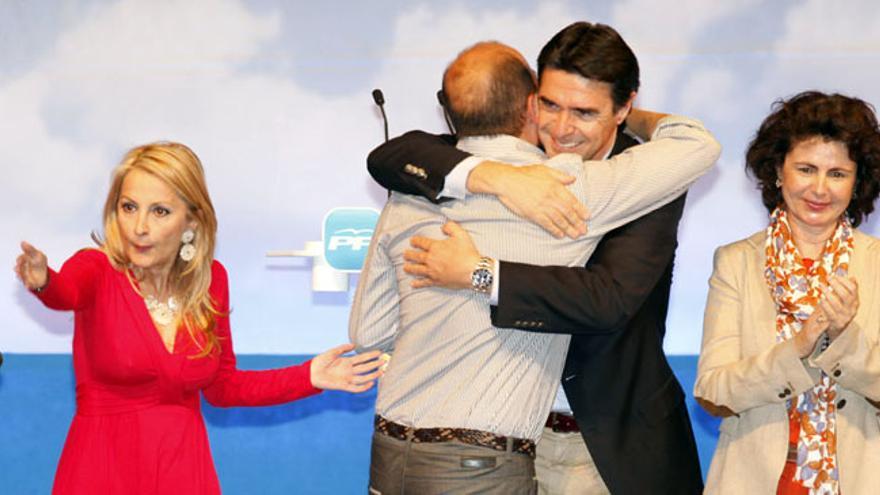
column 816, row 220
column 143, row 262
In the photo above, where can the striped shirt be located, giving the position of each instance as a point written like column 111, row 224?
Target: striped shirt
column 450, row 367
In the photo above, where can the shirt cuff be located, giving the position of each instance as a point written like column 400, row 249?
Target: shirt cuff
column 496, row 270
column 455, row 186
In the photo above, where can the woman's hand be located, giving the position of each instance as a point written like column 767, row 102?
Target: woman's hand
column 805, row 340
column 840, row 302
column 331, row 371
column 32, row 267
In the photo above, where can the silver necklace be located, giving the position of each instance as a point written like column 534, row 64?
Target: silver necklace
column 162, row 313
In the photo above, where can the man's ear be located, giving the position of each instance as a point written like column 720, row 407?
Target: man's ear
column 623, row 112
column 532, row 108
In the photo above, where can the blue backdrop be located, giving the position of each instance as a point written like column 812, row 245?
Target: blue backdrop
column 319, row 445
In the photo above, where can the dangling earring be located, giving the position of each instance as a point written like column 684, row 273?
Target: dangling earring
column 778, row 183
column 187, row 250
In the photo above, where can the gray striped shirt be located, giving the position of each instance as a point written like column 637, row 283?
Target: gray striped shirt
column 450, row 367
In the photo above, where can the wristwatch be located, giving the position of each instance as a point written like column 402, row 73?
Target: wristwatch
column 483, row 275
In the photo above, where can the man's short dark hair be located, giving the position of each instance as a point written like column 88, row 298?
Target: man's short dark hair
column 493, row 102
column 593, row 51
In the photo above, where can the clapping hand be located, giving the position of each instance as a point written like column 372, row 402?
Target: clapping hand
column 32, row 267
column 332, row 371
column 840, row 303
column 837, row 307
column 812, row 329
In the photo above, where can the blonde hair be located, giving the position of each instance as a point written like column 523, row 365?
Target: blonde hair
column 178, row 167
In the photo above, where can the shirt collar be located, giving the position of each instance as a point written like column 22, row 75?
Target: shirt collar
column 487, row 145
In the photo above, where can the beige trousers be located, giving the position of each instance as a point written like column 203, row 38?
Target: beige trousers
column 564, row 466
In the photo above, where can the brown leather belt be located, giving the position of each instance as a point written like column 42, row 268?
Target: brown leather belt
column 562, row 423
column 463, row 435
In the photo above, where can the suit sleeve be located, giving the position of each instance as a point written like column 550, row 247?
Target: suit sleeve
column 235, row 387
column 73, row 287
column 725, row 377
column 600, row 297
column 853, row 358
column 435, row 155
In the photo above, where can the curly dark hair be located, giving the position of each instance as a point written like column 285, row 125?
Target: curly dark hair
column 810, row 114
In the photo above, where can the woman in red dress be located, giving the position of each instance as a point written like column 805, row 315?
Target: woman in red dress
column 151, row 331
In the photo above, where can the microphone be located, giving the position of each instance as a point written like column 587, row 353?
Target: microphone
column 379, row 99
column 441, row 97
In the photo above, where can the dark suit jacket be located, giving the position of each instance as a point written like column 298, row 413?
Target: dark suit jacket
column 627, row 402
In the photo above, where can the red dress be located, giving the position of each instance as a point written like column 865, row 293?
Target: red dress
column 138, row 427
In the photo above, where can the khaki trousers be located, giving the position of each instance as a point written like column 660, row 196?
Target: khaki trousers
column 564, row 466
column 404, row 467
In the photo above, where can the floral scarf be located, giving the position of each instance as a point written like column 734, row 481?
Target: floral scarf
column 796, row 291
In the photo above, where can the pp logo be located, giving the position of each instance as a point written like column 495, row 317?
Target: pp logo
column 347, row 233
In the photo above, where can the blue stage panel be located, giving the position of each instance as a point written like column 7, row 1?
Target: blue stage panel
column 314, row 446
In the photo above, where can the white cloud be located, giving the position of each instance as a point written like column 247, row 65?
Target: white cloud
column 827, row 28
column 278, row 156
column 135, row 39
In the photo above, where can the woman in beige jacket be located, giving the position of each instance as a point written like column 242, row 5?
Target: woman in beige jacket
column 790, row 352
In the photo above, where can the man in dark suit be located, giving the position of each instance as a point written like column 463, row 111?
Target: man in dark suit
column 627, row 404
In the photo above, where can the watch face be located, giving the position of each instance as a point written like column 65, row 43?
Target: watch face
column 481, row 279
column 482, row 276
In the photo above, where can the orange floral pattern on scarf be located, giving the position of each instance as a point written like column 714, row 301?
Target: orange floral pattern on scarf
column 796, row 289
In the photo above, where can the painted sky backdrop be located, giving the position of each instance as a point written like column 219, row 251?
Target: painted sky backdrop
column 275, row 98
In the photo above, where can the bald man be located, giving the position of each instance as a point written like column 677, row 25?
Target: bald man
column 462, row 402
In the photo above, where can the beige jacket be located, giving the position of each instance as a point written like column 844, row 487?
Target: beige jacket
column 743, row 369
